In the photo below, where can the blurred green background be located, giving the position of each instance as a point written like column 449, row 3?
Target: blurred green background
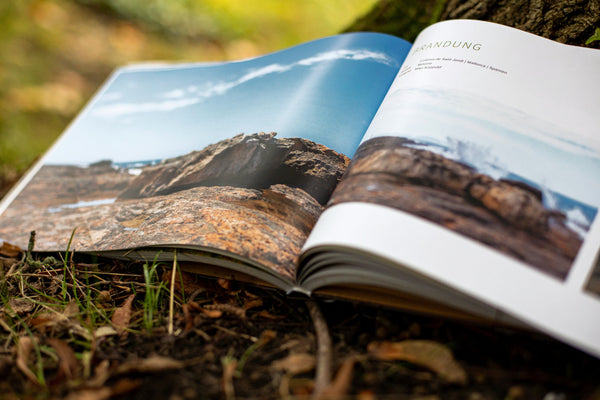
column 56, row 53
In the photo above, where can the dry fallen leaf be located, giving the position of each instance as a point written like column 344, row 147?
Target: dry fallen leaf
column 191, row 283
column 227, row 379
column 43, row 321
column 366, row 394
column 189, row 318
column 24, row 347
column 105, row 330
column 120, row 388
column 63, row 320
column 227, row 308
column 102, row 393
column 68, row 365
column 122, row 315
column 338, row 388
column 9, row 250
column 257, row 302
column 267, row 336
column 267, row 315
column 101, row 375
column 71, row 310
column 297, row 363
column 104, row 297
column 151, row 364
column 125, row 385
column 426, row 353
column 19, row 306
column 250, row 295
column 224, row 283
column 212, row 313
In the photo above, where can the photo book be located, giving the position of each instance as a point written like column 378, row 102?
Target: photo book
column 459, row 175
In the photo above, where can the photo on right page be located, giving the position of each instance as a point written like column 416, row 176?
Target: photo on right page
column 593, row 284
column 485, row 170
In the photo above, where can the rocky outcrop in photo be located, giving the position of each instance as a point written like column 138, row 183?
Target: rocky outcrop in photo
column 506, row 215
column 254, row 161
column 254, row 196
column 57, row 185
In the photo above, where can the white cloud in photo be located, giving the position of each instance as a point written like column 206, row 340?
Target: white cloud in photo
column 175, row 94
column 347, row 55
column 183, row 97
column 119, row 109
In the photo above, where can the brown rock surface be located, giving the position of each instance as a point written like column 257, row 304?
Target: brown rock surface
column 505, row 215
column 56, row 185
column 406, row 164
column 267, row 226
column 513, row 203
column 253, row 196
column 251, row 161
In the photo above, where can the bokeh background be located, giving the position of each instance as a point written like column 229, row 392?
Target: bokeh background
column 56, row 53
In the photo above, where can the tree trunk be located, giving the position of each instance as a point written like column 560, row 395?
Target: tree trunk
column 566, row 21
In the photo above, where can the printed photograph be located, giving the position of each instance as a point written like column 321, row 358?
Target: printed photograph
column 239, row 157
column 593, row 284
column 520, row 185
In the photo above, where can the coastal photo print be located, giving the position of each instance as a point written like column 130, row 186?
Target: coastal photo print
column 238, row 157
column 593, row 284
column 485, row 170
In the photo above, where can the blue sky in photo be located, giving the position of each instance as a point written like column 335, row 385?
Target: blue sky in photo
column 326, row 91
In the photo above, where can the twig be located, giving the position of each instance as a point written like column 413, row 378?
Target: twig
column 229, row 367
column 31, row 244
column 324, row 352
column 227, row 308
column 234, row 333
column 172, row 293
column 12, row 269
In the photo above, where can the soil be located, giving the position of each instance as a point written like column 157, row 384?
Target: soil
column 231, row 340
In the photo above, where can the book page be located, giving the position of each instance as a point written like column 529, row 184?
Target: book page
column 231, row 158
column 481, row 170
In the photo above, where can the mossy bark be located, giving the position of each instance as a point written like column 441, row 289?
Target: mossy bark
column 566, row 21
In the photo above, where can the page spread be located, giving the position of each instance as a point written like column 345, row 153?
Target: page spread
column 481, row 171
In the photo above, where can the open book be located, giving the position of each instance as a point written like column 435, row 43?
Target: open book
column 459, row 175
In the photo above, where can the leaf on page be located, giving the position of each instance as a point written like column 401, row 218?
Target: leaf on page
column 429, row 354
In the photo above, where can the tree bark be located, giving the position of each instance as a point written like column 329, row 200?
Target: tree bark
column 566, row 21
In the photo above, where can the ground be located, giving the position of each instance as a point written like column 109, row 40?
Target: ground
column 90, row 328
